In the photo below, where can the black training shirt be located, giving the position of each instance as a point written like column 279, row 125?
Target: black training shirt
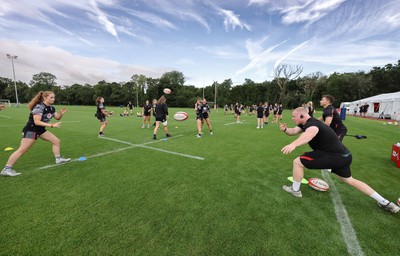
column 326, row 139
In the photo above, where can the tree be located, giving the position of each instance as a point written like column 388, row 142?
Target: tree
column 282, row 74
column 42, row 82
column 4, row 83
column 139, row 83
column 173, row 80
column 311, row 83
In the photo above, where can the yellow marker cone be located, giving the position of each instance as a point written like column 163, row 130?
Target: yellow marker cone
column 304, row 181
column 8, row 149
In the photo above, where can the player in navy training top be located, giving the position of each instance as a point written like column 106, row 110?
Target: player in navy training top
column 260, row 115
column 42, row 111
column 206, row 115
column 146, row 113
column 101, row 114
column 328, row 152
column 161, row 117
column 198, row 108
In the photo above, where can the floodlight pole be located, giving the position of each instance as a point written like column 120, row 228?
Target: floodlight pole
column 215, row 95
column 12, row 57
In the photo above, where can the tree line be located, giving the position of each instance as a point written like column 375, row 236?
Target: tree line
column 287, row 87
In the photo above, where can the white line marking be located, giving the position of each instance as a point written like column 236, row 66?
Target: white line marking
column 5, row 116
column 96, row 155
column 235, row 123
column 348, row 232
column 131, row 145
column 157, row 149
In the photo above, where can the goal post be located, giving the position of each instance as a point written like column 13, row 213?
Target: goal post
column 5, row 102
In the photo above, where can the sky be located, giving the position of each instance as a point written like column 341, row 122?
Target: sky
column 88, row 41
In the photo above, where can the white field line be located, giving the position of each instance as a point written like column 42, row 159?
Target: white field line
column 131, row 145
column 348, row 232
column 235, row 122
column 102, row 154
column 92, row 156
column 157, row 149
column 5, row 116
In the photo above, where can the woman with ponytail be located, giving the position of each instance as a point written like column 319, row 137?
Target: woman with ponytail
column 42, row 111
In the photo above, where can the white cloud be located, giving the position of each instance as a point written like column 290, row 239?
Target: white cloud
column 230, row 19
column 286, row 55
column 153, row 19
column 67, row 67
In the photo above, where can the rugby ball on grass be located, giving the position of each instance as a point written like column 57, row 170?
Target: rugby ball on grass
column 398, row 202
column 181, row 116
column 318, row 184
column 167, row 91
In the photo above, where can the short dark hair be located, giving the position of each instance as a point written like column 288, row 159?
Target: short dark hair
column 329, row 97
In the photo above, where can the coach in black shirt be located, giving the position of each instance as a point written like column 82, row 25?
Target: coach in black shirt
column 328, row 153
column 331, row 117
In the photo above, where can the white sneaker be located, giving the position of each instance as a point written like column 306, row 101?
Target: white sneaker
column 198, row 136
column 9, row 173
column 290, row 190
column 258, row 127
column 142, row 126
column 211, row 133
column 391, row 207
column 326, row 170
column 62, row 160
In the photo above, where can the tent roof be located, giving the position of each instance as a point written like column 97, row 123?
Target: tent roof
column 381, row 97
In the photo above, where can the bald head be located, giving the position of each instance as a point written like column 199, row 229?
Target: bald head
column 301, row 111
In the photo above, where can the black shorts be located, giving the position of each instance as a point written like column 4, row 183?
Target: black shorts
column 32, row 132
column 160, row 119
column 266, row 114
column 205, row 115
column 338, row 162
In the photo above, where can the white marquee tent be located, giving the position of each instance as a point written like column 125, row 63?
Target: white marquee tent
column 385, row 105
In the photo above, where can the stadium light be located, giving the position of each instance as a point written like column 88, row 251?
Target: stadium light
column 12, row 58
column 215, row 96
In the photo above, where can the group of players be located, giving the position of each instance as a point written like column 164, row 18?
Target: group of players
column 263, row 111
column 325, row 138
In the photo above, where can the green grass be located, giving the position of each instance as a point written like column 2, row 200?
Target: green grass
column 140, row 201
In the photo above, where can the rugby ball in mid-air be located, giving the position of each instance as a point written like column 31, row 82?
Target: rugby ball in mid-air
column 181, row 116
column 167, row 91
column 318, row 184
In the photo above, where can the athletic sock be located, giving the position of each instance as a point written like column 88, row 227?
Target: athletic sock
column 7, row 168
column 379, row 199
column 296, row 185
